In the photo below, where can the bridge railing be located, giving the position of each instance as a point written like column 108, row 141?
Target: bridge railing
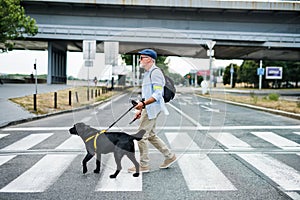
column 165, row 35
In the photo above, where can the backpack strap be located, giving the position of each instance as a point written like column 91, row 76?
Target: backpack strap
column 155, row 69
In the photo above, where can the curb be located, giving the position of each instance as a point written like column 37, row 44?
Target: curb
column 269, row 110
column 58, row 112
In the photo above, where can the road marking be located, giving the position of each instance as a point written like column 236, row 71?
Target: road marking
column 184, row 128
column 298, row 133
column 4, row 159
column 86, row 119
column 285, row 176
column 197, row 124
column 40, row 176
column 45, row 172
column 3, row 135
column 181, row 141
column 28, row 142
column 293, row 195
column 73, row 143
column 199, row 172
column 23, row 144
column 277, row 140
column 210, row 109
column 124, row 181
column 230, row 141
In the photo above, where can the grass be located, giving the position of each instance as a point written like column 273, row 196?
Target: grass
column 271, row 101
column 45, row 101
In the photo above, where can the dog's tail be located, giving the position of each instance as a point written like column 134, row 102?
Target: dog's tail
column 139, row 135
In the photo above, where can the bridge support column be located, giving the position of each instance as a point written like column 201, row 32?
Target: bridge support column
column 57, row 63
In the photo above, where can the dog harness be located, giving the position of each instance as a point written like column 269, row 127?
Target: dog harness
column 95, row 138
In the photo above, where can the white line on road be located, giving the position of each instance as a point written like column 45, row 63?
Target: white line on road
column 124, row 181
column 282, row 174
column 4, row 159
column 277, row 140
column 45, row 172
column 199, row 172
column 86, row 119
column 230, row 141
column 40, row 176
column 24, row 144
column 210, row 109
column 197, row 124
column 298, row 133
column 181, row 141
column 28, row 142
column 73, row 143
column 293, row 195
column 187, row 128
column 3, row 135
column 285, row 176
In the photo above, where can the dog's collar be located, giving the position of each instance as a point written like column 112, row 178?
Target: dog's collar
column 95, row 138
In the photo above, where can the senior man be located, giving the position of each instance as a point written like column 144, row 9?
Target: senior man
column 149, row 109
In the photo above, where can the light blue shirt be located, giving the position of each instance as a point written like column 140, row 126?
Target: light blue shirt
column 154, row 88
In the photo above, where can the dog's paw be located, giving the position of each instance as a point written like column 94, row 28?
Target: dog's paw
column 84, row 170
column 96, row 171
column 136, row 174
column 112, row 176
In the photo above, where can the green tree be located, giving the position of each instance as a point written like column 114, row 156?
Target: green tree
column 226, row 76
column 248, row 72
column 14, row 24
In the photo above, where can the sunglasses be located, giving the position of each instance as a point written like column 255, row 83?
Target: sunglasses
column 142, row 57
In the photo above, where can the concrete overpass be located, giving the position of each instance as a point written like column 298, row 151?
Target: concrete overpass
column 242, row 29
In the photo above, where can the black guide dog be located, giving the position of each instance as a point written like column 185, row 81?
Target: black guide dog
column 98, row 143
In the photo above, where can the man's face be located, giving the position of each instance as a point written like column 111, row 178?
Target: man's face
column 144, row 60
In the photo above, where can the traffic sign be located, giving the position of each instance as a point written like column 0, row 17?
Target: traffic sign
column 89, row 49
column 260, row 71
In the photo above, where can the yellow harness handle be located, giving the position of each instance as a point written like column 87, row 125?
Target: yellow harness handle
column 95, row 138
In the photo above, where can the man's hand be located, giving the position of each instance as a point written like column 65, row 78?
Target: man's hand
column 138, row 114
column 139, row 106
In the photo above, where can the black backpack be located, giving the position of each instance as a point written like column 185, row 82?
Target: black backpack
column 169, row 88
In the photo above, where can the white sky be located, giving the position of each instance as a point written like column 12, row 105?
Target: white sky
column 21, row 61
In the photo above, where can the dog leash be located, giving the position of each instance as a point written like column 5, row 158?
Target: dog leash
column 134, row 103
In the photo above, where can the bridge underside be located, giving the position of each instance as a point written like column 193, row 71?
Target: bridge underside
column 222, row 51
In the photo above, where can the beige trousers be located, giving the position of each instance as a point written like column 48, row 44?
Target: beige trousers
column 149, row 126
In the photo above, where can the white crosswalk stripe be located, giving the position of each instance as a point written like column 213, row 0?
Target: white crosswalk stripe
column 124, row 181
column 209, row 178
column 40, row 176
column 277, row 140
column 298, row 133
column 230, row 141
column 285, row 176
column 3, row 135
column 24, row 144
column 28, row 142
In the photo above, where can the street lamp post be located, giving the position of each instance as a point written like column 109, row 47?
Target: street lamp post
column 210, row 52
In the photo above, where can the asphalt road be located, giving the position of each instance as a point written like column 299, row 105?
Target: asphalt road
column 224, row 152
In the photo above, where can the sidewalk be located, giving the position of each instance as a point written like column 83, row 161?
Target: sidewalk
column 10, row 111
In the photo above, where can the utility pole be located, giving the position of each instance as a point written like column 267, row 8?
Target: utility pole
column 210, row 52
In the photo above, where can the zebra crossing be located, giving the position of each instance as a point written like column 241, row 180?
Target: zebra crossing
column 199, row 171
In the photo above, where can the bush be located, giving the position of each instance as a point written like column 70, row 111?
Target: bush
column 254, row 97
column 274, row 96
